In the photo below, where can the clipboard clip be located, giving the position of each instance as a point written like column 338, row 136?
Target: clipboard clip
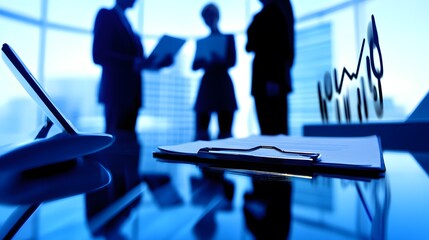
column 315, row 157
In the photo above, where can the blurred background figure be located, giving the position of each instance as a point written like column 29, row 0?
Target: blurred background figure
column 271, row 38
column 120, row 53
column 215, row 54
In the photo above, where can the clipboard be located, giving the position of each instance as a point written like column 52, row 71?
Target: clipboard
column 326, row 156
column 254, row 155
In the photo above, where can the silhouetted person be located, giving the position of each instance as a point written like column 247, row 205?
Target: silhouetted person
column 271, row 38
column 216, row 92
column 120, row 53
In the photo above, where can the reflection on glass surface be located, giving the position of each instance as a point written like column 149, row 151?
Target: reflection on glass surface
column 304, row 107
column 267, row 209
column 51, row 182
column 406, row 83
column 318, row 210
column 162, row 189
column 375, row 197
column 179, row 203
column 122, row 160
column 215, row 193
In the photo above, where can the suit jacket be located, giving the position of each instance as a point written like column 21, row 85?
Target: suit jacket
column 271, row 37
column 114, row 48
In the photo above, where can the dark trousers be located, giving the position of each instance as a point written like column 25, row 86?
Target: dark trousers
column 272, row 114
column 120, row 118
column 224, row 120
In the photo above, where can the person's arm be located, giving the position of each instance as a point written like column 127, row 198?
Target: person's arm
column 231, row 52
column 198, row 63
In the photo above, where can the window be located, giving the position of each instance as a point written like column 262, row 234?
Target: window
column 328, row 35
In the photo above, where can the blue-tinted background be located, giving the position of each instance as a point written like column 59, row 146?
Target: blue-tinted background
column 54, row 39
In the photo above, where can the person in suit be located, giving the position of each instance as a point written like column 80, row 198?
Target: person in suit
column 216, row 92
column 271, row 39
column 120, row 53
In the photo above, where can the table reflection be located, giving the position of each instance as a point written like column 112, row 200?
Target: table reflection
column 176, row 201
column 375, row 197
column 214, row 193
column 267, row 209
column 122, row 160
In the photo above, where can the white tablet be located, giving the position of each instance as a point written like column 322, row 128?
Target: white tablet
column 41, row 152
column 32, row 86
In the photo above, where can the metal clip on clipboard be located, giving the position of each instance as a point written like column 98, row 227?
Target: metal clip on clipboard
column 292, row 157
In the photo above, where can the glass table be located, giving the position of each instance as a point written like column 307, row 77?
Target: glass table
column 149, row 199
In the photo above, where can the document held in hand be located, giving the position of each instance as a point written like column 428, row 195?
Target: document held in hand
column 342, row 155
column 167, row 47
column 212, row 48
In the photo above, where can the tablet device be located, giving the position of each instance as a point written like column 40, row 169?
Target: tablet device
column 32, row 86
column 210, row 47
column 168, row 46
column 41, row 152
